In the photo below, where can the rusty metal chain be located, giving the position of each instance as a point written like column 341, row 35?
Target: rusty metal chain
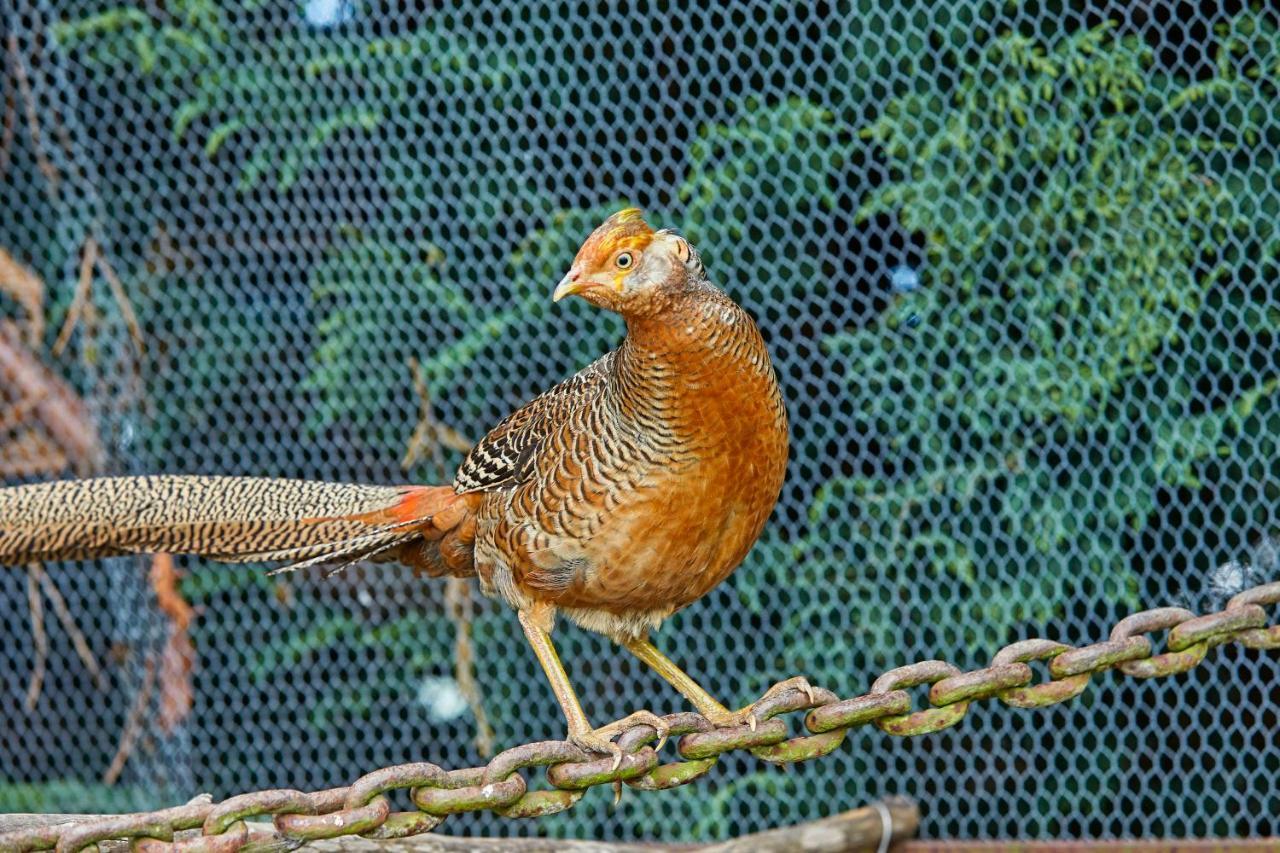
column 364, row 809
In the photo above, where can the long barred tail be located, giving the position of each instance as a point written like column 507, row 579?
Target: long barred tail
column 238, row 519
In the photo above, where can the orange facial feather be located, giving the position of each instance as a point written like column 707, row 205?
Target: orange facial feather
column 626, row 229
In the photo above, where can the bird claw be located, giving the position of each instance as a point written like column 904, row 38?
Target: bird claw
column 798, row 683
column 600, row 740
column 733, row 719
column 750, row 716
column 594, row 743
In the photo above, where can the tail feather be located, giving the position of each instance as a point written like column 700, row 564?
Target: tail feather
column 232, row 519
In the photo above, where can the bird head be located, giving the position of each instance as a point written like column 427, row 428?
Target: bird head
column 627, row 267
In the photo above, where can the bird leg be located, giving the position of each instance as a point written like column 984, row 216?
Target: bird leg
column 706, row 704
column 542, row 646
column 580, row 732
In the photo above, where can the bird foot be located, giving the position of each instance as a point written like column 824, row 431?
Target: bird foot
column 749, row 715
column 601, row 740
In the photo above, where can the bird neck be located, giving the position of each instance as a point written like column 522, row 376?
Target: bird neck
column 673, row 363
column 683, row 328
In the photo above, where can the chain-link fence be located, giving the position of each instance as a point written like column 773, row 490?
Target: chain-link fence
column 1016, row 265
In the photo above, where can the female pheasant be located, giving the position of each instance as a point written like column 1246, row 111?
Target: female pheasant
column 616, row 498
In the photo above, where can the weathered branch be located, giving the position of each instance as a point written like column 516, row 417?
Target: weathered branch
column 27, row 385
column 459, row 605
column 33, row 123
column 36, row 605
column 80, row 300
column 428, row 441
column 132, row 725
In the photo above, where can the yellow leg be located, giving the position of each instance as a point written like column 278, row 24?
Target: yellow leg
column 679, row 679
column 580, row 731
column 540, row 640
column 702, row 700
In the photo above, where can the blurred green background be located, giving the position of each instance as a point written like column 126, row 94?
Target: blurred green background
column 1016, row 264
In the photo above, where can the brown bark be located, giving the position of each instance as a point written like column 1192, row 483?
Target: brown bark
column 46, row 405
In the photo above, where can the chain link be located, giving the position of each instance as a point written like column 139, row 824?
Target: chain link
column 364, row 808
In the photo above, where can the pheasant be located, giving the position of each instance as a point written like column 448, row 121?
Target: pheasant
column 616, row 498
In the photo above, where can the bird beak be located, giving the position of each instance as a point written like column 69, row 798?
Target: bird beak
column 570, row 284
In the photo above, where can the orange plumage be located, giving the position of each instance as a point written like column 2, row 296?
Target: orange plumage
column 621, row 495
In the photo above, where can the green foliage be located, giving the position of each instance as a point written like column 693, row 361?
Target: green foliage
column 754, row 187
column 1243, row 92
column 1095, row 331
column 358, row 355
column 773, row 164
column 1028, row 403
column 193, row 47
column 167, row 45
column 361, row 349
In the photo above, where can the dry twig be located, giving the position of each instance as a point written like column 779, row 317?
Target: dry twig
column 37, row 580
column 132, row 725
column 33, row 122
column 122, row 301
column 73, row 630
column 91, row 256
column 458, row 600
column 36, row 605
column 428, row 437
column 80, row 302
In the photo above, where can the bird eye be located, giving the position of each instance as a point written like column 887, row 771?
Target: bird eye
column 623, row 261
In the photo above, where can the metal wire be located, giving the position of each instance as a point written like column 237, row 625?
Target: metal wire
column 1016, row 264
column 363, row 808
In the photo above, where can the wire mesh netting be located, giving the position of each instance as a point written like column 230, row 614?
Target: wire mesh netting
column 1016, row 265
